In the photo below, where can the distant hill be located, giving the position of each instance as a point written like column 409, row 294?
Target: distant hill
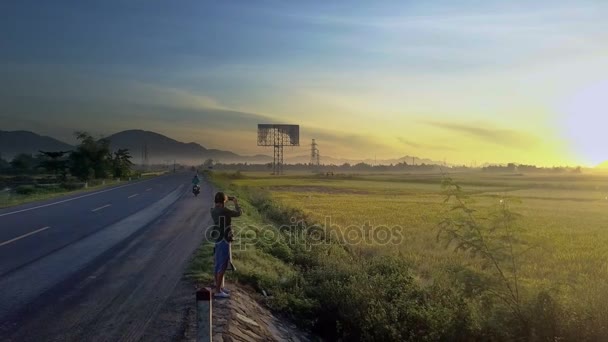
column 163, row 149
column 328, row 160
column 15, row 142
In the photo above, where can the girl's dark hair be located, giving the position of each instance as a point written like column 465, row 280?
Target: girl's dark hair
column 220, row 197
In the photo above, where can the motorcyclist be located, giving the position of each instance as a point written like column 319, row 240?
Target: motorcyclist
column 195, row 180
column 195, row 187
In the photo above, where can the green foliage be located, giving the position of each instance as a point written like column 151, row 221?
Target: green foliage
column 201, row 267
column 492, row 238
column 4, row 164
column 55, row 163
column 378, row 300
column 25, row 190
column 208, row 164
column 71, row 186
column 91, row 159
column 121, row 163
column 23, row 163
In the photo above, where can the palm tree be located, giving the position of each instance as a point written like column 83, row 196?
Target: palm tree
column 121, row 163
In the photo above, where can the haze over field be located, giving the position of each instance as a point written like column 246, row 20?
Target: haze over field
column 493, row 81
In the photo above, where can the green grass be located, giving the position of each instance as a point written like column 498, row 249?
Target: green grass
column 564, row 277
column 261, row 262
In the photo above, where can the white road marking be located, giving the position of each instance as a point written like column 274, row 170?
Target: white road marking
column 132, row 195
column 74, row 198
column 148, row 189
column 24, row 236
column 102, row 207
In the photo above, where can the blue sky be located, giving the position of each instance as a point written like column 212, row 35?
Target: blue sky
column 486, row 80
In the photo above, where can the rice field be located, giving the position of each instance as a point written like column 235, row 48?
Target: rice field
column 564, row 219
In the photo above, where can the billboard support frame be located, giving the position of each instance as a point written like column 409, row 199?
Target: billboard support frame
column 278, row 136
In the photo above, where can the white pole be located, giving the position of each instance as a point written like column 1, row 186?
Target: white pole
column 204, row 315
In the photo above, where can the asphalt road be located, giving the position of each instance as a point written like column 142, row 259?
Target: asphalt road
column 81, row 267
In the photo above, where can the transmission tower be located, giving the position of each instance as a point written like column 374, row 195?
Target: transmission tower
column 315, row 158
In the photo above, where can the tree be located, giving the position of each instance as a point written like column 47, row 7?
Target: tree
column 55, row 163
column 4, row 164
column 495, row 238
column 208, row 164
column 121, row 163
column 91, row 158
column 23, row 162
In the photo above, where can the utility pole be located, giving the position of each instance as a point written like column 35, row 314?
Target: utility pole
column 144, row 156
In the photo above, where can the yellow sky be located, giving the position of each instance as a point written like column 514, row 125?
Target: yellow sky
column 534, row 114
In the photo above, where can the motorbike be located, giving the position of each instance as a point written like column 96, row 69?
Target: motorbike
column 196, row 190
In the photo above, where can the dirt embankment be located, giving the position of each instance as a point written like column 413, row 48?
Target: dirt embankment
column 241, row 318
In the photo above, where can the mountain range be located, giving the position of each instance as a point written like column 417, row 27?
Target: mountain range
column 15, row 142
column 162, row 149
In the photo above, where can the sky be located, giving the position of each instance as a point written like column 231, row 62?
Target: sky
column 461, row 80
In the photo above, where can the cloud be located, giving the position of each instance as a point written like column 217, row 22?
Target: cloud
column 344, row 138
column 420, row 145
column 503, row 137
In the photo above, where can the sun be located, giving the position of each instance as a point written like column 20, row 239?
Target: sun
column 585, row 124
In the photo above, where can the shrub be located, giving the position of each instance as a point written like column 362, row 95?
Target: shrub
column 47, row 188
column 379, row 300
column 25, row 190
column 71, row 186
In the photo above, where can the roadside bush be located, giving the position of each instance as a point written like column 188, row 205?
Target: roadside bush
column 49, row 187
column 281, row 251
column 379, row 300
column 544, row 314
column 22, row 179
column 25, row 190
column 71, row 186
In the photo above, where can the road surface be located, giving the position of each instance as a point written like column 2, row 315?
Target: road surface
column 97, row 266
